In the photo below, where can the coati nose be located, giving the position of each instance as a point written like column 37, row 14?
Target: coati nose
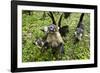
column 51, row 28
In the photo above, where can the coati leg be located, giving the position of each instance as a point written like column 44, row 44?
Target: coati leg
column 58, row 52
column 61, row 48
column 79, row 30
column 61, row 51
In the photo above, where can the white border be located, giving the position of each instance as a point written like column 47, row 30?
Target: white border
column 53, row 63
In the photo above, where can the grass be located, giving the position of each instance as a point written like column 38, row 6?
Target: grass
column 31, row 25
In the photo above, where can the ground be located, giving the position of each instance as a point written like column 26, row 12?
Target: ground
column 32, row 23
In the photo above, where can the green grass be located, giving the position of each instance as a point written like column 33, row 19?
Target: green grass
column 31, row 25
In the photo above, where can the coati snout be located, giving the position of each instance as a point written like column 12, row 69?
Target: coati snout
column 52, row 28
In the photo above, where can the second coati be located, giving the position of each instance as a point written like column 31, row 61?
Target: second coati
column 79, row 30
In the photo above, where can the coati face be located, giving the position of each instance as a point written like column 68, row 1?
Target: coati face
column 79, row 33
column 52, row 28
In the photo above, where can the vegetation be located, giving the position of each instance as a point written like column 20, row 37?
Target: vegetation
column 33, row 21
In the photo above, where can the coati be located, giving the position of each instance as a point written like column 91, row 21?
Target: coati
column 39, row 42
column 54, row 40
column 79, row 30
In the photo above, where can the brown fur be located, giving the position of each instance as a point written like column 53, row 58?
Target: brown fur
column 54, row 38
